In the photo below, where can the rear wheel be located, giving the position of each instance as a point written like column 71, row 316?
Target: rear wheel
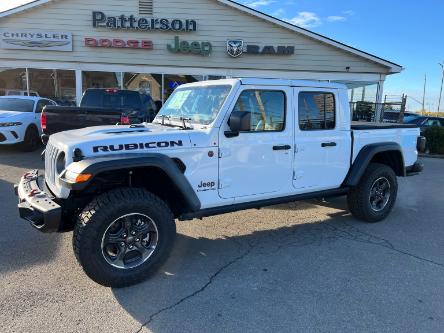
column 31, row 141
column 374, row 197
column 123, row 236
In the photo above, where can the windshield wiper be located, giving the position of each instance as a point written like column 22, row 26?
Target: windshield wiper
column 183, row 119
column 163, row 118
column 169, row 118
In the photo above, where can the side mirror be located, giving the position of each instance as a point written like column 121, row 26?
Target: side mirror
column 239, row 122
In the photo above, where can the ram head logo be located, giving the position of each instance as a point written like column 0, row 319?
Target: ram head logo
column 235, row 48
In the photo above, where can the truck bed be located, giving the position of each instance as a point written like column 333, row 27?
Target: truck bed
column 406, row 135
column 362, row 125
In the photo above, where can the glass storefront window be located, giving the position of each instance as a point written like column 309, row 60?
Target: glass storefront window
column 370, row 93
column 362, row 91
column 13, row 82
column 58, row 85
column 146, row 84
column 171, row 82
column 215, row 77
column 150, row 88
column 101, row 80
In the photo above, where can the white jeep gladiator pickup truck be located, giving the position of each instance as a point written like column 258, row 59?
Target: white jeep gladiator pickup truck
column 215, row 147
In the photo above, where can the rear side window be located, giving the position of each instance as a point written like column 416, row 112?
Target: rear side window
column 267, row 109
column 317, row 111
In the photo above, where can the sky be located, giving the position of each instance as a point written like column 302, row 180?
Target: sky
column 409, row 33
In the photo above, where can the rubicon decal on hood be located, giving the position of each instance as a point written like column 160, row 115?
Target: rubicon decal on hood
column 137, row 146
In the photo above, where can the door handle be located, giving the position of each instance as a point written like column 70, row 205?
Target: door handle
column 283, row 147
column 329, row 144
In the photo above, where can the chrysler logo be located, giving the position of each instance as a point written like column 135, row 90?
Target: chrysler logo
column 36, row 44
column 235, row 48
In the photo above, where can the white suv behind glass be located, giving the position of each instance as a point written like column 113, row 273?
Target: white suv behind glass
column 20, row 120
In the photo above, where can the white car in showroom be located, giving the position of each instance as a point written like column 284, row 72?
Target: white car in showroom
column 20, row 120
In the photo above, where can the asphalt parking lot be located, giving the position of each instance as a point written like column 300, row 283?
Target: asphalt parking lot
column 303, row 267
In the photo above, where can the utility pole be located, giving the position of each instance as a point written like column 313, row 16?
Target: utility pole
column 424, row 94
column 442, row 82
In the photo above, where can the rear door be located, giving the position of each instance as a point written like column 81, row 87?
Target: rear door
column 322, row 139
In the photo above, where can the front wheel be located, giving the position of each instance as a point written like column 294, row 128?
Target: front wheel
column 374, row 197
column 123, row 236
column 31, row 141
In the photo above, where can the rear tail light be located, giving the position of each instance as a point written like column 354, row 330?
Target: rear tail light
column 124, row 120
column 43, row 121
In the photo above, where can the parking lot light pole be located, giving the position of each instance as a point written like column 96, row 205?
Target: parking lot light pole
column 442, row 81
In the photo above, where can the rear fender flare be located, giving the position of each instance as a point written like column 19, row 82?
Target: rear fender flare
column 364, row 158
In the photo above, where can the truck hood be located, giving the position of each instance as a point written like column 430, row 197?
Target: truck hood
column 9, row 114
column 105, row 140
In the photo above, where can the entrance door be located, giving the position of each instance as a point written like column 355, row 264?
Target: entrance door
column 322, row 138
column 258, row 161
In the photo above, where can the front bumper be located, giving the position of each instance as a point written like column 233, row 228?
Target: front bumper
column 37, row 206
column 10, row 135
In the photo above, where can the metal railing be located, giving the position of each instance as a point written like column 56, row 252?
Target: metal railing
column 373, row 112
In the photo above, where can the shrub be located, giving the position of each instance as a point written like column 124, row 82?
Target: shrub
column 435, row 139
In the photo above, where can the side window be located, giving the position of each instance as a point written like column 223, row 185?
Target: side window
column 267, row 108
column 317, row 111
column 40, row 105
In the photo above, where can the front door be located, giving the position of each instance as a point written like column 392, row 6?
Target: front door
column 258, row 161
column 322, row 140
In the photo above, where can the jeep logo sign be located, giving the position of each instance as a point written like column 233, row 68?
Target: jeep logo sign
column 185, row 47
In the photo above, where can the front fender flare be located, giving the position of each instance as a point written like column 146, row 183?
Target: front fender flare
column 98, row 165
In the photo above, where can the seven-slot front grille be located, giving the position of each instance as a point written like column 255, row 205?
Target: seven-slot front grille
column 51, row 154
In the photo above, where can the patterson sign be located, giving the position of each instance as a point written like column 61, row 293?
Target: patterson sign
column 36, row 40
column 101, row 20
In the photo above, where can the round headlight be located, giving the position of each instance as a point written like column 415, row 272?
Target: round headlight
column 60, row 163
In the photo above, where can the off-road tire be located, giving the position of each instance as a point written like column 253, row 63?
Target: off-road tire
column 31, row 140
column 359, row 197
column 94, row 220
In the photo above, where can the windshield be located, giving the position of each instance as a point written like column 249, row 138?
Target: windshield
column 16, row 104
column 196, row 104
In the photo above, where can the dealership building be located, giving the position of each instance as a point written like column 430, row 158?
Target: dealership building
column 59, row 48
